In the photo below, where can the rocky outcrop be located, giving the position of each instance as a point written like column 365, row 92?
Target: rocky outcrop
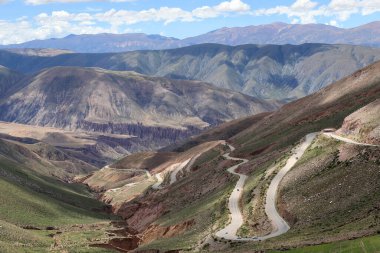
column 364, row 124
column 155, row 232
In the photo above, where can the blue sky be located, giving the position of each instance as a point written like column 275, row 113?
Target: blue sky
column 23, row 20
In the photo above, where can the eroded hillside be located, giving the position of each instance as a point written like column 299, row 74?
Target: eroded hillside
column 186, row 214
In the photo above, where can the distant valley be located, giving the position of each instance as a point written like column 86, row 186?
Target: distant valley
column 242, row 140
column 156, row 111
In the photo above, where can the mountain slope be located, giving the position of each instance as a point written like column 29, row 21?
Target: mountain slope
column 194, row 207
column 364, row 124
column 268, row 71
column 275, row 33
column 282, row 33
column 104, row 42
column 39, row 207
column 123, row 102
column 38, row 51
column 8, row 79
column 325, row 108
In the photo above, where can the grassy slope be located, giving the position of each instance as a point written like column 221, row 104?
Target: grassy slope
column 363, row 245
column 282, row 129
column 344, row 190
column 209, row 211
column 326, row 108
column 29, row 198
column 345, row 193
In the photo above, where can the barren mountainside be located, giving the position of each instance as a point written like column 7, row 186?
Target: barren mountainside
column 264, row 71
column 109, row 101
column 8, row 79
column 364, row 124
column 186, row 212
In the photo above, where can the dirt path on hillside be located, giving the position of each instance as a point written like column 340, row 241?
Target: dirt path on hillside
column 347, row 140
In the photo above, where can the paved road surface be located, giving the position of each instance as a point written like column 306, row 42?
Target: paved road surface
column 279, row 224
column 229, row 232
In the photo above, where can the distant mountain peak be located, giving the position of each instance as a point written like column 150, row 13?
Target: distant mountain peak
column 277, row 33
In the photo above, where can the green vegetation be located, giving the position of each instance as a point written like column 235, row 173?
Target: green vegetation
column 24, row 207
column 362, row 245
column 16, row 239
column 38, row 200
column 348, row 202
column 207, row 212
column 31, row 202
column 206, row 157
column 254, row 193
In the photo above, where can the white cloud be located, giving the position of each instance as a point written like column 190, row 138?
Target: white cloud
column 333, row 23
column 232, row 6
column 302, row 11
column 224, row 8
column 62, row 23
column 303, row 5
column 370, row 6
column 307, row 11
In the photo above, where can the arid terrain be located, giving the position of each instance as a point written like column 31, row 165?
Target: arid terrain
column 190, row 147
column 187, row 213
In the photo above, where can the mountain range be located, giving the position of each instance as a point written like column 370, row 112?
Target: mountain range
column 269, row 72
column 154, row 109
column 210, row 153
column 184, row 213
column 276, row 33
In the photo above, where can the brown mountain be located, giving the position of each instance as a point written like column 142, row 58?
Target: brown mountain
column 265, row 71
column 8, row 80
column 158, row 109
column 328, row 178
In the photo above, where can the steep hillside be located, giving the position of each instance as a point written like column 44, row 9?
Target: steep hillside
column 325, row 108
column 123, row 102
column 40, row 211
column 8, row 80
column 97, row 149
column 364, row 124
column 267, row 71
column 186, row 214
column 43, row 158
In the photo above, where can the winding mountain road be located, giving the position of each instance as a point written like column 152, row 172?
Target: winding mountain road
column 157, row 185
column 279, row 224
column 347, row 140
column 173, row 169
column 229, row 232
